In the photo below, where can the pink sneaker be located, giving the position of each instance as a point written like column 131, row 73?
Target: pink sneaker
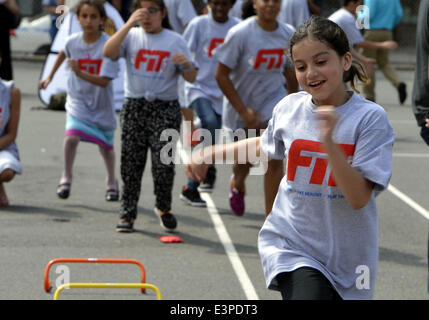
column 236, row 200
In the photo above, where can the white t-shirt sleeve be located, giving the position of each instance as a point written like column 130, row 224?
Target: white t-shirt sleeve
column 191, row 36
column 229, row 52
column 271, row 142
column 109, row 68
column 373, row 150
column 186, row 12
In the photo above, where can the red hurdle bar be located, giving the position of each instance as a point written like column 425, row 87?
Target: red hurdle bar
column 91, row 260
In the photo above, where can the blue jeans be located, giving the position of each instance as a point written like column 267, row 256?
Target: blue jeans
column 210, row 120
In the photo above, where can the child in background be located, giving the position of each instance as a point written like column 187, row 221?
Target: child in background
column 254, row 76
column 204, row 34
column 321, row 239
column 10, row 106
column 155, row 57
column 90, row 103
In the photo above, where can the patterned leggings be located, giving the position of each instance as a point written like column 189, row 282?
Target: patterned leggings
column 142, row 123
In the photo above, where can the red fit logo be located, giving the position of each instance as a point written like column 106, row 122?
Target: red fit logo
column 152, row 58
column 296, row 160
column 90, row 66
column 213, row 45
column 272, row 57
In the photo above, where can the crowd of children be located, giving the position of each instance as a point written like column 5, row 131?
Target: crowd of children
column 289, row 83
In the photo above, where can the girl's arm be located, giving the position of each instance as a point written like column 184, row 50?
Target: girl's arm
column 12, row 6
column 12, row 126
column 352, row 184
column 291, row 81
column 190, row 72
column 60, row 59
column 249, row 116
column 385, row 45
column 247, row 150
column 91, row 78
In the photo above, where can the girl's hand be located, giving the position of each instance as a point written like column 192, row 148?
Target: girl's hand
column 73, row 66
column 136, row 17
column 196, row 172
column 180, row 59
column 252, row 119
column 327, row 118
column 427, row 123
column 43, row 84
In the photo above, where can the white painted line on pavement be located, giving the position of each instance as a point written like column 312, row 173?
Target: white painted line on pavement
column 408, row 201
column 411, row 155
column 225, row 239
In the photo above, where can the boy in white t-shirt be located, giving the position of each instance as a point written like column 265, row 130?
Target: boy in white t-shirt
column 345, row 17
column 204, row 34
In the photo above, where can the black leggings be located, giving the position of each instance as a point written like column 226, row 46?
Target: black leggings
column 306, row 284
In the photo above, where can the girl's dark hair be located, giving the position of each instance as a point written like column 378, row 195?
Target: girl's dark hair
column 160, row 4
column 247, row 9
column 335, row 38
column 93, row 3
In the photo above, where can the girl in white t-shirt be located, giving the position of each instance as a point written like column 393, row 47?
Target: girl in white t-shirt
column 155, row 58
column 321, row 239
column 254, row 76
column 10, row 105
column 90, row 103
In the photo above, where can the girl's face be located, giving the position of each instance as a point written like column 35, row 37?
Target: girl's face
column 90, row 19
column 319, row 71
column 152, row 20
column 267, row 10
column 220, row 9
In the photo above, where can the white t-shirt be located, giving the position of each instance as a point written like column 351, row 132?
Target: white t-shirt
column 5, row 102
column 347, row 22
column 85, row 101
column 204, row 35
column 257, row 60
column 180, row 13
column 149, row 72
column 294, row 12
column 311, row 223
column 236, row 10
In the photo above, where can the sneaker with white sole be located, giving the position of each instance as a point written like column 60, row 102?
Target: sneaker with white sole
column 167, row 220
column 192, row 197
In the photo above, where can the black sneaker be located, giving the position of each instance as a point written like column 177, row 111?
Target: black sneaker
column 125, row 226
column 209, row 182
column 192, row 197
column 167, row 220
column 402, row 90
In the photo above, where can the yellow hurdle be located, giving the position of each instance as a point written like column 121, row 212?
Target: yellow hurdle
column 108, row 286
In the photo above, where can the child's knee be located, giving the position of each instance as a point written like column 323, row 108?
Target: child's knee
column 72, row 140
column 7, row 175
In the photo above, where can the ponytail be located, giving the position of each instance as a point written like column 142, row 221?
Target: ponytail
column 357, row 70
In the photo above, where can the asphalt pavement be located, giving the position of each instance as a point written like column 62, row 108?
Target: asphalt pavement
column 218, row 259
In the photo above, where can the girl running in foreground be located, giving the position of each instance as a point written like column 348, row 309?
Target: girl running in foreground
column 321, row 239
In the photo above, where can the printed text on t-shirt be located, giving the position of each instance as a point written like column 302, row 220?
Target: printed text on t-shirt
column 90, row 65
column 272, row 57
column 152, row 59
column 320, row 165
